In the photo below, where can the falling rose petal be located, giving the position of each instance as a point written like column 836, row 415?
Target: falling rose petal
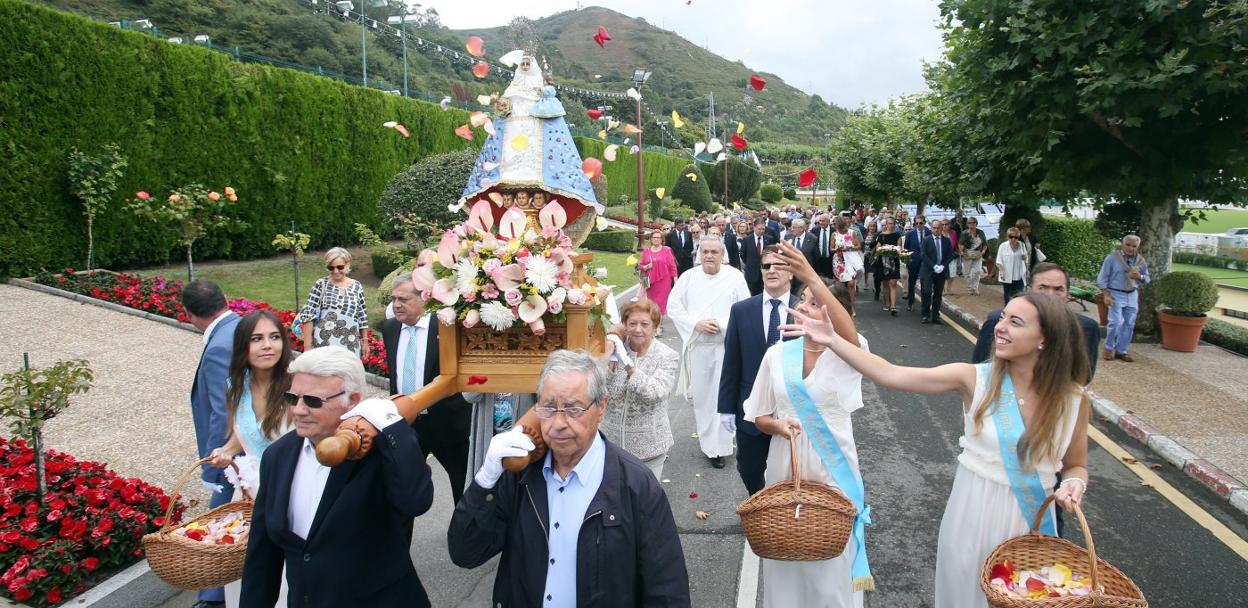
column 445, row 104
column 699, row 148
column 693, row 177
column 592, row 168
column 532, row 308
column 631, row 261
column 448, row 249
column 520, row 142
column 489, row 166
column 627, row 139
column 508, row 277
column 496, row 197
column 475, row 46
column 445, row 292
column 464, row 131
column 481, row 217
column 597, row 76
column 602, row 134
column 477, row 119
column 402, row 130
column 754, row 157
column 721, row 156
column 553, row 216
column 609, row 152
column 631, row 129
column 512, row 224
column 701, row 514
column 480, row 69
column 512, row 58
column 612, row 123
column 676, row 121
column 634, row 149
column 423, row 278
column 806, row 178
column 475, row 379
column 740, row 128
column 600, row 223
column 601, row 36
column 485, row 100
column 489, row 128
column 594, row 113
column 389, row 124
column 714, row 145
column 693, row 495
column 757, row 82
column 659, row 192
column 739, row 142
column 633, row 94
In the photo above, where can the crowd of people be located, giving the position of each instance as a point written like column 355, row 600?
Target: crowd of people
column 770, row 359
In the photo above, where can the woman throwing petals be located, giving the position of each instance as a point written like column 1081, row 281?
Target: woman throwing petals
column 1025, row 418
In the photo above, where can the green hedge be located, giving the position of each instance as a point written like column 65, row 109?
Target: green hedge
column 1211, row 261
column 615, row 239
column 660, row 170
column 1075, row 244
column 1227, row 335
column 294, row 145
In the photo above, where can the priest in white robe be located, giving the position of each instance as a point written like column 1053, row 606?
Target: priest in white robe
column 699, row 305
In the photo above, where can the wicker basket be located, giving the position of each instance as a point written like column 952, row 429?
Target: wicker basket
column 795, row 521
column 1110, row 587
column 190, row 564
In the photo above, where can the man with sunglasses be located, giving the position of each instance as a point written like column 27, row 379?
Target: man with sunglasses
column 342, row 534
column 913, row 243
column 587, row 524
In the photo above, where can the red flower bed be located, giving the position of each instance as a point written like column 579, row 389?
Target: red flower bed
column 162, row 297
column 93, row 519
column 633, row 221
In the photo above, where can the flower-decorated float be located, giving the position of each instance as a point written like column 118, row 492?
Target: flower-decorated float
column 507, row 284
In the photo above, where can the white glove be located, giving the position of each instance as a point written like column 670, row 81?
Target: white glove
column 513, row 443
column 619, row 353
column 729, row 421
column 380, row 413
column 939, row 268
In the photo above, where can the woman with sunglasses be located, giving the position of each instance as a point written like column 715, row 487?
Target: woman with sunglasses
column 1012, row 264
column 335, row 312
column 255, row 405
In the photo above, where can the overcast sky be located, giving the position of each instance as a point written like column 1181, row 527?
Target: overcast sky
column 850, row 52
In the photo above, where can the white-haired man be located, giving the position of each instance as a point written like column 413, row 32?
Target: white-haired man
column 1122, row 273
column 343, row 534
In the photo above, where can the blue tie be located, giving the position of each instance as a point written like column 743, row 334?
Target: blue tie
column 773, row 323
column 409, row 362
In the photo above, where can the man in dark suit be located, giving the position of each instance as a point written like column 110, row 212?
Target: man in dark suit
column 824, row 257
column 937, row 254
column 411, row 340
column 802, row 241
column 732, row 253
column 681, row 243
column 205, row 305
column 343, row 534
column 913, row 242
column 752, row 247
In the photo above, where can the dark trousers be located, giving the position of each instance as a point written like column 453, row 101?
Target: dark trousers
column 1009, row 290
column 933, row 294
column 451, row 450
column 914, row 277
column 752, row 459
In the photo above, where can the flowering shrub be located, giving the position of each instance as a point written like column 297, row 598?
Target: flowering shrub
column 93, row 519
column 163, row 297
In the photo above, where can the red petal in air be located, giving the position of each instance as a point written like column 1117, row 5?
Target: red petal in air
column 481, row 69
column 594, row 113
column 475, row 46
column 464, row 131
column 601, row 37
column 806, row 178
column 739, row 142
column 757, row 82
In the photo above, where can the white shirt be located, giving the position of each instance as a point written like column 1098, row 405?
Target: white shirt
column 784, row 313
column 422, row 335
column 306, row 487
column 213, row 325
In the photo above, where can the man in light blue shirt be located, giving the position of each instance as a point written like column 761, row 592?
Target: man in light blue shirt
column 1121, row 274
column 568, row 499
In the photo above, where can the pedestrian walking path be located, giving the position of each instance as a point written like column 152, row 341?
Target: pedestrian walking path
column 1199, row 400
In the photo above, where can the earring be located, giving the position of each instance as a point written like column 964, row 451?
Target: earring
column 1040, row 347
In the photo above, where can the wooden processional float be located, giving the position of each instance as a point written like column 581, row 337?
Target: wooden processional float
column 481, row 359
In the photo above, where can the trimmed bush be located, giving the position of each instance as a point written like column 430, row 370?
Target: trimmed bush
column 1074, row 243
column 660, row 170
column 673, row 211
column 743, row 180
column 791, row 194
column 614, row 239
column 1227, row 335
column 296, row 146
column 691, row 192
column 1211, row 261
column 770, row 193
column 427, row 187
column 1187, row 293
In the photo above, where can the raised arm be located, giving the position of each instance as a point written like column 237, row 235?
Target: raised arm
column 801, row 268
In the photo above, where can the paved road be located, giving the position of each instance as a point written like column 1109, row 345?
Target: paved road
column 907, row 446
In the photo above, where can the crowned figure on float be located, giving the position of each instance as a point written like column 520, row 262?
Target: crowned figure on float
column 530, row 159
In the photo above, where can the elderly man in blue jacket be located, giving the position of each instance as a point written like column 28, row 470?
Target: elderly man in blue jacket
column 587, row 525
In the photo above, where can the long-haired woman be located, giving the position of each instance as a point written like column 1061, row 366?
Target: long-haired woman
column 1025, row 418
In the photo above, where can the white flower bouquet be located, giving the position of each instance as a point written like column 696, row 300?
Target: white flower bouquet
column 893, row 251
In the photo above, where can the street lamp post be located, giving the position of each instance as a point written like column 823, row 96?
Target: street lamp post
column 640, row 76
column 401, row 21
column 662, row 131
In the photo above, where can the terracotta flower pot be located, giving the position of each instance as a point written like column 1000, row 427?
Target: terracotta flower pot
column 1102, row 307
column 1180, row 333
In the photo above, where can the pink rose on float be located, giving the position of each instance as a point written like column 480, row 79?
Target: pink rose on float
column 554, row 307
column 513, row 297
column 447, row 316
column 491, row 265
column 576, row 297
column 558, row 294
column 489, row 291
column 470, row 297
column 538, row 327
column 471, row 318
column 426, row 294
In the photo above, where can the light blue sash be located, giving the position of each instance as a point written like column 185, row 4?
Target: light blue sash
column 1028, row 489
column 245, row 421
column 832, row 457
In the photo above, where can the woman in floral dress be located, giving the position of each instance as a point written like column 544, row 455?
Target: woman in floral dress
column 335, row 312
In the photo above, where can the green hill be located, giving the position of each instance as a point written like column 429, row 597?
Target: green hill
column 314, row 34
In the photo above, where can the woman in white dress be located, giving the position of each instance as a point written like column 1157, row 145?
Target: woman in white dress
column 258, row 378
column 1025, row 418
column 848, row 246
column 836, row 389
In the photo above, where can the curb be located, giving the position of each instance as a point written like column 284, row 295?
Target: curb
column 1220, row 482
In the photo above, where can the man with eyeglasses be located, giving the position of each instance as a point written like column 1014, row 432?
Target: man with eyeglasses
column 342, row 534
column 587, row 524
column 913, row 243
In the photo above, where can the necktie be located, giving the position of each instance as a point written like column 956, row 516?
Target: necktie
column 682, row 238
column 409, row 362
column 759, row 241
column 798, row 243
column 938, row 239
column 773, row 323
column 823, row 242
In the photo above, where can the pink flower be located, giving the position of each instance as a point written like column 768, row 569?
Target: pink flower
column 472, row 318
column 538, row 327
column 576, row 297
column 513, row 297
column 555, row 307
column 141, row 195
column 470, row 297
column 214, row 196
column 447, row 316
column 489, row 291
column 491, row 265
column 175, row 197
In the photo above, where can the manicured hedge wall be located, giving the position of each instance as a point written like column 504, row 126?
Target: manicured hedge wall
column 1075, row 244
column 615, row 239
column 659, row 170
column 294, row 145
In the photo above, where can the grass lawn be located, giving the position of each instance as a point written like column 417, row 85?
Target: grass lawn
column 1218, row 222
column 1224, row 276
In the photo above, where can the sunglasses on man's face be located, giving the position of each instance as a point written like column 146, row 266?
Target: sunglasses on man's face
column 1013, row 238
column 776, row 265
column 311, row 401
column 333, row 267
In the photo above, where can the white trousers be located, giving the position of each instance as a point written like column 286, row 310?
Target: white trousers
column 704, row 362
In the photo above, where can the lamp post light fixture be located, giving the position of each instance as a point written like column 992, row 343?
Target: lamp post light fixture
column 204, row 39
column 640, row 76
column 662, row 131
column 401, row 21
